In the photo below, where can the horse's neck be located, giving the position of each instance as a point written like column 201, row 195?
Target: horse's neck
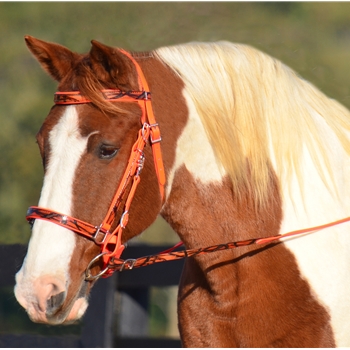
column 201, row 207
column 244, row 286
column 235, row 289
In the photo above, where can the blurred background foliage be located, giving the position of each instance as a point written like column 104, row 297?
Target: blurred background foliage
column 311, row 37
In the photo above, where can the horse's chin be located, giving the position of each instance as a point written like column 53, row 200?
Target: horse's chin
column 63, row 318
column 77, row 311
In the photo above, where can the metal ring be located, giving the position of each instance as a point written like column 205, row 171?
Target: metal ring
column 88, row 276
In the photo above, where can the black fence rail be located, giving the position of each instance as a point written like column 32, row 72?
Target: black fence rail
column 98, row 326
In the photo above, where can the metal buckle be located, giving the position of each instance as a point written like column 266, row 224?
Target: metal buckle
column 98, row 230
column 128, row 264
column 155, row 125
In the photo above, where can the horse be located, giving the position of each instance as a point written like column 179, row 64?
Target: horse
column 225, row 143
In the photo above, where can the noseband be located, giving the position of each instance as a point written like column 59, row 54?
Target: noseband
column 110, row 241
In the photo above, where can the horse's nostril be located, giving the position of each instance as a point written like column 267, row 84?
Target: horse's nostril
column 55, row 302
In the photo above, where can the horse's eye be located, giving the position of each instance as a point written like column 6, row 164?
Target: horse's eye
column 107, row 152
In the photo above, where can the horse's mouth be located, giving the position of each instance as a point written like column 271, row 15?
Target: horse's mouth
column 61, row 318
column 76, row 312
column 66, row 314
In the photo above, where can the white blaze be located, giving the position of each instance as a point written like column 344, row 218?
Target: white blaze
column 51, row 246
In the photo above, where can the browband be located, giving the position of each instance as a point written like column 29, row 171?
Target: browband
column 111, row 95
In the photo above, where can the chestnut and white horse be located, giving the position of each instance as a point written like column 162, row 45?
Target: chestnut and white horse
column 248, row 149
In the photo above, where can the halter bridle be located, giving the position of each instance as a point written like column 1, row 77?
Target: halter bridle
column 103, row 235
column 110, row 241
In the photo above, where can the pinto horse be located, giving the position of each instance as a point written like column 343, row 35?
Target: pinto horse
column 232, row 145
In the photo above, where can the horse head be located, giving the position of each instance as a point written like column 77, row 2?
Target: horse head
column 85, row 148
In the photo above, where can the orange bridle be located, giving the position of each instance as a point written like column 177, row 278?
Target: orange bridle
column 110, row 241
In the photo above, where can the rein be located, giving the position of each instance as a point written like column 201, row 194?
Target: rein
column 170, row 255
column 110, row 241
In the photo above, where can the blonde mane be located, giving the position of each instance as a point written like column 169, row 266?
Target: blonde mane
column 252, row 106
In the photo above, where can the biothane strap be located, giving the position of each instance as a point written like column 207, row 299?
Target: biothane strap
column 155, row 136
column 170, row 255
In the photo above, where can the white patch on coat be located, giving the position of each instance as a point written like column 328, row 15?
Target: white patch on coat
column 51, row 246
column 323, row 257
column 195, row 152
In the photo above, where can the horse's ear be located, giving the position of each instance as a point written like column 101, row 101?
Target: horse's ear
column 109, row 64
column 57, row 60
